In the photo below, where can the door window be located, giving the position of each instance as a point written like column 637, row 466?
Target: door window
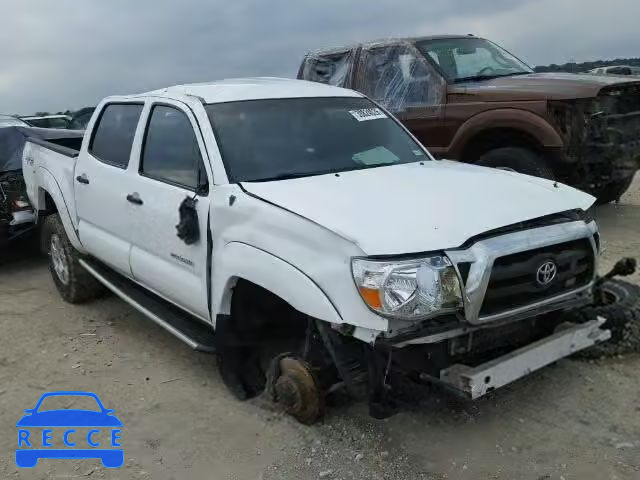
column 171, row 153
column 396, row 77
column 114, row 132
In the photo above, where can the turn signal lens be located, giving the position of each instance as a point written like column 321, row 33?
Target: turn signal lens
column 371, row 297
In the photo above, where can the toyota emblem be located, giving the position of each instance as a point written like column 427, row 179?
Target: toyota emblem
column 546, row 273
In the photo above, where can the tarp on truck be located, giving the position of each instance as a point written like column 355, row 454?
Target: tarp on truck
column 12, row 140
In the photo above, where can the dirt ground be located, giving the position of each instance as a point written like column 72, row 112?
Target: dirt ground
column 574, row 420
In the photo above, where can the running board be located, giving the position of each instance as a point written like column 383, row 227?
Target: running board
column 176, row 321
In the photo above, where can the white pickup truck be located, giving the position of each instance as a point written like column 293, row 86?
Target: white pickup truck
column 300, row 232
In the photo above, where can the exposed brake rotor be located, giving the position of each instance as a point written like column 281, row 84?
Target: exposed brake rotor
column 297, row 391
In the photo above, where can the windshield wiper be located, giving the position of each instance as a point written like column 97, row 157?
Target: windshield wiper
column 289, row 176
column 480, row 78
column 292, row 175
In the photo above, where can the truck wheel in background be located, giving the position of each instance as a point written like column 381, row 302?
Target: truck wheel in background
column 620, row 306
column 613, row 191
column 518, row 159
column 73, row 282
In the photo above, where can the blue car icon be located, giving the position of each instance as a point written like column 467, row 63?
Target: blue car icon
column 29, row 442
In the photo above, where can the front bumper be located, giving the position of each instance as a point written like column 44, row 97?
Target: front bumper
column 474, row 382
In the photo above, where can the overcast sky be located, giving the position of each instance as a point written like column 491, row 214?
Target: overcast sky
column 59, row 54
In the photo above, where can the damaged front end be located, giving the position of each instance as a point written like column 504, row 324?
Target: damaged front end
column 601, row 139
column 16, row 213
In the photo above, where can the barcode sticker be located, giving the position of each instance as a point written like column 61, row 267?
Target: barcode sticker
column 365, row 114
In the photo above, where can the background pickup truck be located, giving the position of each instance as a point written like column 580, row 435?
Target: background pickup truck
column 468, row 99
column 305, row 236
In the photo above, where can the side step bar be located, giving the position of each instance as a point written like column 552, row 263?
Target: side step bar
column 179, row 323
column 474, row 382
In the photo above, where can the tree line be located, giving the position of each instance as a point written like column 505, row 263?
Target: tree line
column 573, row 67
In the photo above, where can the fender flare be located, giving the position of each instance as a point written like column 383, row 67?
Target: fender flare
column 238, row 260
column 49, row 185
column 511, row 118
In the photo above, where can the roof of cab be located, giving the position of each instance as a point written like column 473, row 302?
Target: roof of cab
column 381, row 42
column 258, row 88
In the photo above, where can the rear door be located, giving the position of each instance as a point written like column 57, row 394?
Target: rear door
column 101, row 183
column 171, row 169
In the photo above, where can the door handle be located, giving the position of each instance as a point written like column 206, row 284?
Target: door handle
column 135, row 198
column 82, row 179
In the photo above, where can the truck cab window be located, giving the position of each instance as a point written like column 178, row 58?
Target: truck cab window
column 113, row 135
column 170, row 152
column 332, row 69
column 399, row 79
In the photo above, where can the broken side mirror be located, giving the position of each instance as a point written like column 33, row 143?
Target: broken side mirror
column 189, row 227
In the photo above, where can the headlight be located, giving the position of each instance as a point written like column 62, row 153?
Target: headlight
column 408, row 289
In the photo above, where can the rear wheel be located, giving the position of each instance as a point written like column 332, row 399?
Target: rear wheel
column 73, row 282
column 519, row 160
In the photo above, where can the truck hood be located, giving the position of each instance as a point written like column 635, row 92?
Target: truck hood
column 418, row 208
column 537, row 86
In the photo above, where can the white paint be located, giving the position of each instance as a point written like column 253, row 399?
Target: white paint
column 300, row 241
column 251, row 89
column 419, row 208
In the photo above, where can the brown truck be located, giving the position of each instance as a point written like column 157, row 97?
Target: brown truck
column 468, row 99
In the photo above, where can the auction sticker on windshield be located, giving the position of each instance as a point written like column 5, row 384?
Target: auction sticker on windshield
column 364, row 114
column 91, row 431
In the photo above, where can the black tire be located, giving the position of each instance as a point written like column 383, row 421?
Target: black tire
column 518, row 159
column 73, row 282
column 612, row 192
column 622, row 312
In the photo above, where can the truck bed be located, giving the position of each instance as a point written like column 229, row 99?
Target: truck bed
column 69, row 146
column 49, row 161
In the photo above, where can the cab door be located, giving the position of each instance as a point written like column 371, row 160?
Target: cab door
column 399, row 78
column 171, row 196
column 102, row 179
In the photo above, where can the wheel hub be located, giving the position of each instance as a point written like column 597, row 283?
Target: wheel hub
column 297, row 391
column 59, row 260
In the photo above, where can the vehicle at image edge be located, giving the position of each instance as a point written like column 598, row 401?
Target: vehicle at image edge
column 17, row 216
column 468, row 99
column 318, row 239
column 11, row 121
column 49, row 121
column 616, row 70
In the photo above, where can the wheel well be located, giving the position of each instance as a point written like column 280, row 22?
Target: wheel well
column 498, row 138
column 281, row 313
column 49, row 207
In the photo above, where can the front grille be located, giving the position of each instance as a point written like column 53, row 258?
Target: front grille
column 514, row 283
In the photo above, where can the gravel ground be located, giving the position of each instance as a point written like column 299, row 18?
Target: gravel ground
column 574, row 420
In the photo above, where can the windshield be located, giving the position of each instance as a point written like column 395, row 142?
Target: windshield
column 286, row 138
column 469, row 58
